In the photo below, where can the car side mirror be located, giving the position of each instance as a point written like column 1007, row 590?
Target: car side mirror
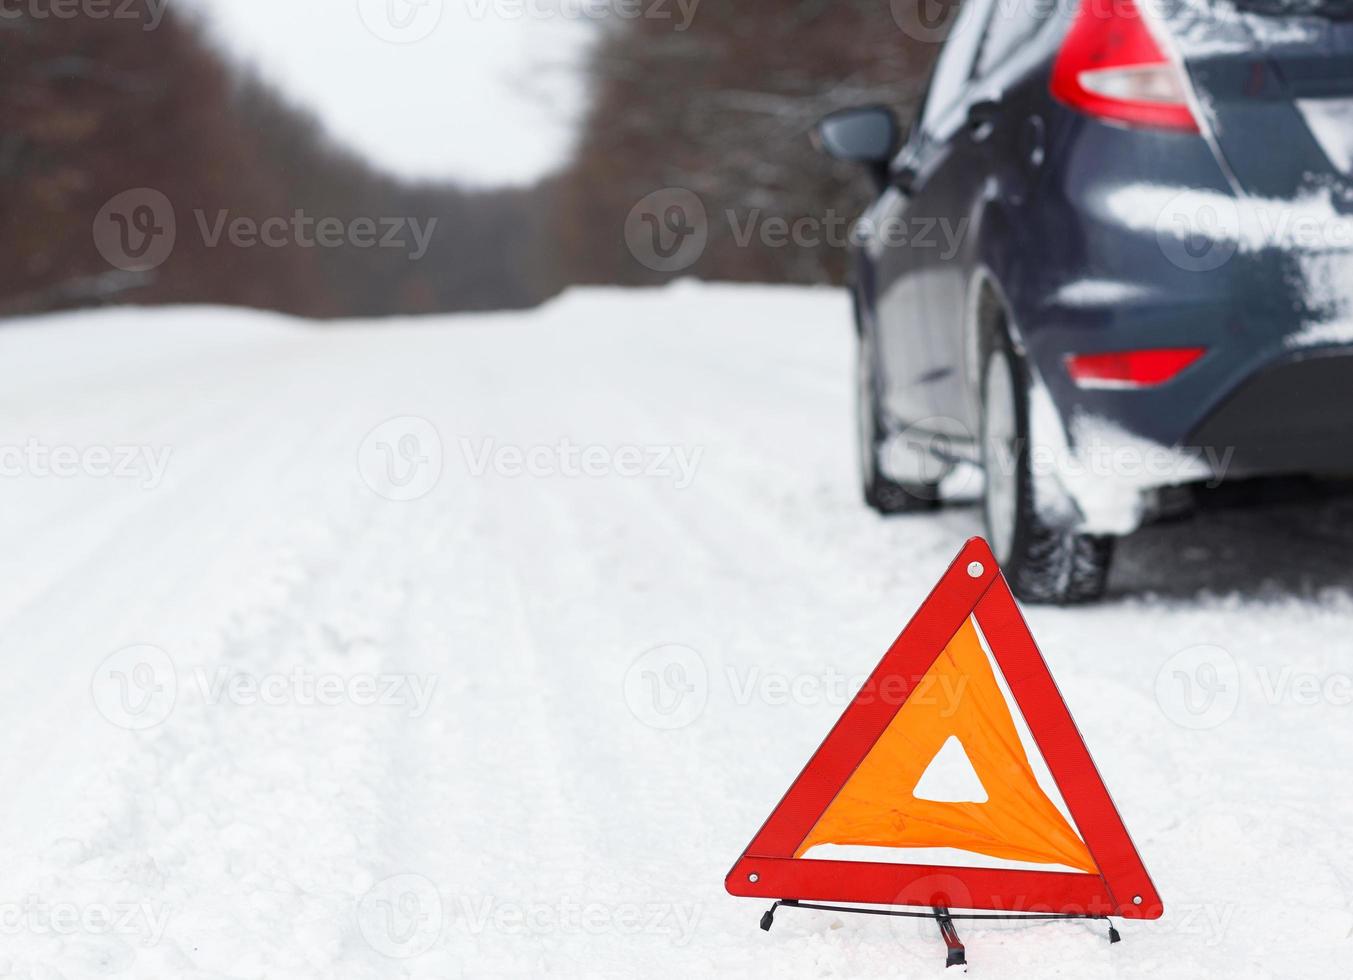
column 869, row 136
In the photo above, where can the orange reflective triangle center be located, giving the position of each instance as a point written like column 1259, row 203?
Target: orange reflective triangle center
column 957, row 698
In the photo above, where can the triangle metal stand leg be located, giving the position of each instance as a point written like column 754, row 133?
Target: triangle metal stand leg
column 956, row 954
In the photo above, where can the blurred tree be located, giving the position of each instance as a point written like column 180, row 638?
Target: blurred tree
column 725, row 109
column 93, row 107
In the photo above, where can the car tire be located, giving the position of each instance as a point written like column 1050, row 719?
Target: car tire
column 885, row 495
column 1042, row 563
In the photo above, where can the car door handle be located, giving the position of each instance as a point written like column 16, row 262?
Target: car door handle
column 982, row 117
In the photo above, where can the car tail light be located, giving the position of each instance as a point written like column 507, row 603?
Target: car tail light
column 1112, row 67
column 1131, row 369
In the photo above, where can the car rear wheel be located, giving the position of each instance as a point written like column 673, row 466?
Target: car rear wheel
column 885, row 495
column 1043, row 563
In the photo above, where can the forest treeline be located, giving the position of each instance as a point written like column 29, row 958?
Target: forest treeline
column 725, row 109
column 91, row 109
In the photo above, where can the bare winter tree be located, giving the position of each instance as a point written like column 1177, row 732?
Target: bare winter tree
column 90, row 108
column 725, row 109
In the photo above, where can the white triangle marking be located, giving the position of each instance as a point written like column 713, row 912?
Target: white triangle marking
column 950, row 777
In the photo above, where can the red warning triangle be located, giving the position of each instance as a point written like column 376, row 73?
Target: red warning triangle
column 872, row 783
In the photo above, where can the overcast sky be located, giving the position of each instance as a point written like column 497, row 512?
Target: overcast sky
column 424, row 88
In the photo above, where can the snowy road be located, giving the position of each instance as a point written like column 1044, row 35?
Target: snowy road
column 480, row 647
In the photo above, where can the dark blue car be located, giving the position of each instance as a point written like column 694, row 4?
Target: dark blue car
column 1111, row 261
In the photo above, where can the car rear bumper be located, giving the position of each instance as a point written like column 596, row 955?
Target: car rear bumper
column 1106, row 455
column 1293, row 416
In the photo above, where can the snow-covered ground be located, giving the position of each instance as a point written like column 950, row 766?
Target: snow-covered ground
column 481, row 646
